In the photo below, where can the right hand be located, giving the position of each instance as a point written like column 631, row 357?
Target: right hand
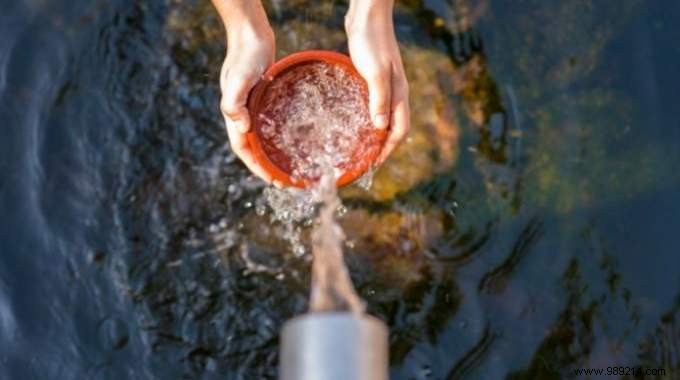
column 250, row 52
column 375, row 53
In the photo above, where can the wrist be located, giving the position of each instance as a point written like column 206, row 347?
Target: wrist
column 246, row 32
column 244, row 20
column 363, row 13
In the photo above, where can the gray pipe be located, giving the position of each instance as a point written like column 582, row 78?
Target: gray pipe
column 334, row 346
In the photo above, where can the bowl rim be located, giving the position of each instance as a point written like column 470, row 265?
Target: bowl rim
column 258, row 91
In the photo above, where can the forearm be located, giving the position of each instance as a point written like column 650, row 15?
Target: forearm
column 242, row 16
column 362, row 13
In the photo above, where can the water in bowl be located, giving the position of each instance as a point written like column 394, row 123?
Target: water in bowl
column 314, row 114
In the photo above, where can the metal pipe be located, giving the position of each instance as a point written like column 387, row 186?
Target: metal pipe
column 334, row 346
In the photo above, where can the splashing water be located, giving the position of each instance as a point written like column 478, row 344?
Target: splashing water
column 292, row 208
column 316, row 113
column 314, row 124
column 332, row 287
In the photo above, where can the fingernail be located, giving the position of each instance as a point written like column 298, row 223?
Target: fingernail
column 380, row 120
column 241, row 126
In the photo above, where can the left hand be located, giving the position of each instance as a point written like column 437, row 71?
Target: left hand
column 375, row 53
column 250, row 51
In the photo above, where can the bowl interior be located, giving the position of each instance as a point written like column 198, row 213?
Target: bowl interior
column 278, row 91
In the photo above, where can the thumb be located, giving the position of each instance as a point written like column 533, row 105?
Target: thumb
column 379, row 97
column 235, row 91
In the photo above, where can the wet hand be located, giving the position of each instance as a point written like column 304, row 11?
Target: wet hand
column 375, row 53
column 250, row 50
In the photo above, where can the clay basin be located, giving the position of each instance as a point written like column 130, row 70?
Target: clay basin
column 309, row 102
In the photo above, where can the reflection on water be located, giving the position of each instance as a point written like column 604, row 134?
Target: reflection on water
column 527, row 227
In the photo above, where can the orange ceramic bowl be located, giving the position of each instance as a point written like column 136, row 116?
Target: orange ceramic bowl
column 275, row 164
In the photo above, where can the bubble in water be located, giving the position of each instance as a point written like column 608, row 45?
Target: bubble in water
column 316, row 115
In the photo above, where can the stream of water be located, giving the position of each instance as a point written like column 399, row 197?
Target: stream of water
column 331, row 287
column 314, row 121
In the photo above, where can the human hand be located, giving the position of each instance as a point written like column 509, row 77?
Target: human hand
column 250, row 50
column 375, row 53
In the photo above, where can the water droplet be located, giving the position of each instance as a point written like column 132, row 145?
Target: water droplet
column 366, row 180
column 192, row 285
column 407, row 246
column 299, row 250
column 174, row 264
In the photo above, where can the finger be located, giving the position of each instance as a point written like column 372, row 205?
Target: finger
column 379, row 93
column 235, row 97
column 400, row 121
column 224, row 72
column 240, row 147
column 400, row 127
column 236, row 114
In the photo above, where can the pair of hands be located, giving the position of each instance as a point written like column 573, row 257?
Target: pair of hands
column 374, row 51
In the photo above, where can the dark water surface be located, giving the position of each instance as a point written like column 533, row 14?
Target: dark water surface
column 530, row 225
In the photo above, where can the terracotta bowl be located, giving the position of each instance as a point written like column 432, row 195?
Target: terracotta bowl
column 274, row 164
